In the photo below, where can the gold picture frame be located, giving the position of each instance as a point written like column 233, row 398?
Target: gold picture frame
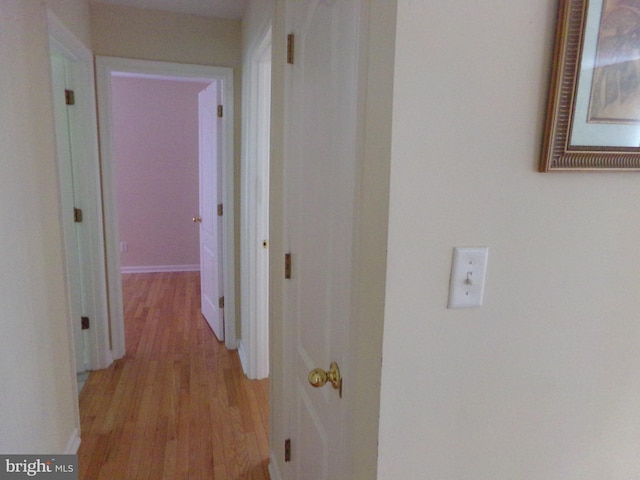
column 592, row 121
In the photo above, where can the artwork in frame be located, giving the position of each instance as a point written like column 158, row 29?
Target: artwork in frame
column 593, row 112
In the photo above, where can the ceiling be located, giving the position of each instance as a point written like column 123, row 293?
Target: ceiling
column 211, row 8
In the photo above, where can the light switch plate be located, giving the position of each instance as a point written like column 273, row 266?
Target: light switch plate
column 468, row 271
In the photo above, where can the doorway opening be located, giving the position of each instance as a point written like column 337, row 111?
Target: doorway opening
column 106, row 69
column 168, row 183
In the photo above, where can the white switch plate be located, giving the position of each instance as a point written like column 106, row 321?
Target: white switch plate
column 468, row 270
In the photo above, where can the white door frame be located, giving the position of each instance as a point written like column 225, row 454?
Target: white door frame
column 254, row 344
column 105, row 67
column 86, row 184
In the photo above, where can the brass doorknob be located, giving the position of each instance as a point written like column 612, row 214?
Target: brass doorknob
column 318, row 377
column 197, row 219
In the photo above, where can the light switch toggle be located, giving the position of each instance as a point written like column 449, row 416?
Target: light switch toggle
column 468, row 271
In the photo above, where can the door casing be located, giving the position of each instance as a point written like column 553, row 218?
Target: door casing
column 105, row 67
column 254, row 344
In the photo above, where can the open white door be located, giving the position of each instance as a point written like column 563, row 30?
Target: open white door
column 68, row 202
column 72, row 69
column 210, row 222
column 320, row 191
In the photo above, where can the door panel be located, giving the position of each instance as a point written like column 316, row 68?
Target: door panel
column 314, row 461
column 320, row 189
column 68, row 201
column 210, row 225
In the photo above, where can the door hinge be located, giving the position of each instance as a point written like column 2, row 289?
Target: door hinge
column 220, row 111
column 290, row 48
column 287, row 266
column 69, row 97
column 220, row 210
column 84, row 321
column 221, row 302
column 287, row 450
column 77, row 215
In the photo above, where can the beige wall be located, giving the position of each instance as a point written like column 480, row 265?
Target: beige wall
column 120, row 31
column 37, row 396
column 542, row 381
column 369, row 257
column 142, row 34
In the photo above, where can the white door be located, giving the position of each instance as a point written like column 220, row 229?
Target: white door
column 210, row 221
column 68, row 202
column 320, row 183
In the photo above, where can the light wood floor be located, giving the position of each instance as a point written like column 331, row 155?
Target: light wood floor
column 177, row 406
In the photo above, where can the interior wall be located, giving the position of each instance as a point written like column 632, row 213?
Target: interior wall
column 120, row 31
column 155, row 152
column 38, row 399
column 542, row 381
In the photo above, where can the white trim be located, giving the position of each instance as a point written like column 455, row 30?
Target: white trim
column 254, row 343
column 161, row 268
column 105, row 67
column 274, row 472
column 74, row 443
column 244, row 357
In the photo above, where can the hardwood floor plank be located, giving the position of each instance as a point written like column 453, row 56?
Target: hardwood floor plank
column 177, row 406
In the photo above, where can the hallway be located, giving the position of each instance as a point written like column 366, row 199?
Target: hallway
column 177, row 406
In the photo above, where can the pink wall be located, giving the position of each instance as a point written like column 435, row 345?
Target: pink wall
column 155, row 135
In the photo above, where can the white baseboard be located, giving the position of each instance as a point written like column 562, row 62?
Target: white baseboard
column 160, row 269
column 74, row 443
column 274, row 472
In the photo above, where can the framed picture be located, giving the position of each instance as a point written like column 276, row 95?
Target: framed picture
column 593, row 113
